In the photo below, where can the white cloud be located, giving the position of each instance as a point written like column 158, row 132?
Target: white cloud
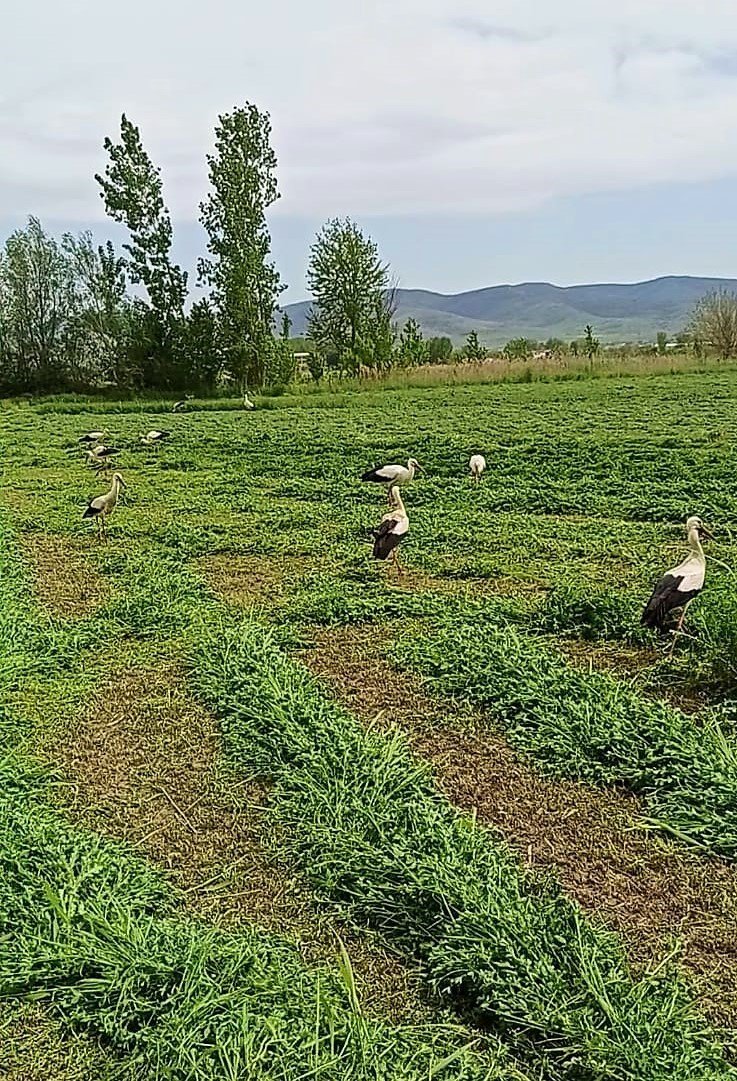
column 412, row 106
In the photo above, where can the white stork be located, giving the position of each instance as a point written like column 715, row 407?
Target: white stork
column 393, row 527
column 392, row 475
column 154, row 436
column 92, row 437
column 104, row 505
column 98, row 456
column 678, row 587
column 477, row 464
column 247, row 403
column 181, row 404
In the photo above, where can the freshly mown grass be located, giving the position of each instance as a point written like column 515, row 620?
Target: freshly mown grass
column 588, row 484
column 590, row 726
column 362, row 818
column 706, row 658
column 97, row 937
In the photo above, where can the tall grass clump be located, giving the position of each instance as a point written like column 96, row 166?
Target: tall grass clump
column 363, row 820
column 591, row 726
column 573, row 607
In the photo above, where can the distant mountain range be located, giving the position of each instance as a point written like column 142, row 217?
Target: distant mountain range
column 538, row 310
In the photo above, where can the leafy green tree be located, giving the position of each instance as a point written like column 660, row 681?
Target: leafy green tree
column 244, row 283
column 315, row 365
column 350, row 319
column 555, row 346
column 573, row 348
column 105, row 309
column 133, row 195
column 590, row 344
column 205, row 366
column 412, row 347
column 519, row 349
column 474, row 350
column 439, row 350
column 280, row 366
column 286, row 326
column 662, row 341
column 39, row 310
column 714, row 321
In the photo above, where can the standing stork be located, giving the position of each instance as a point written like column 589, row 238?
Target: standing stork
column 477, row 464
column 154, row 436
column 104, row 505
column 392, row 475
column 678, row 587
column 393, row 527
column 247, row 403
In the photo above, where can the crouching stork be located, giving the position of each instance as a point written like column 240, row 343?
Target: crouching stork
column 392, row 475
column 154, row 437
column 100, row 457
column 477, row 464
column 678, row 587
column 393, row 527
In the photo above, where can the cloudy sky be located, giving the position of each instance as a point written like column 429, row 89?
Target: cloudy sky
column 480, row 141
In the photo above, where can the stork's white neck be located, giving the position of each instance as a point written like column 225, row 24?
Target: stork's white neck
column 694, row 542
column 398, row 504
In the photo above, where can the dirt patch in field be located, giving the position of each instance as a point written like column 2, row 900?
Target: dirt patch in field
column 65, row 582
column 624, row 661
column 33, row 1047
column 639, row 665
column 252, row 579
column 417, row 581
column 143, row 760
column 637, row 883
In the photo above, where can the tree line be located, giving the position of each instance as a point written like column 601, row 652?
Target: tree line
column 79, row 315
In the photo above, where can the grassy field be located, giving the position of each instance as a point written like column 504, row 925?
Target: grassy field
column 271, row 810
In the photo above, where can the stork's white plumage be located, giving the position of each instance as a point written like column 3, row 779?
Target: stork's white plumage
column 678, row 586
column 103, row 505
column 391, row 475
column 477, row 464
column 93, row 437
column 99, row 456
column 154, row 436
column 247, row 403
column 393, row 527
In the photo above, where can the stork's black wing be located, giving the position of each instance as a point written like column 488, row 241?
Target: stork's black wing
column 375, row 475
column 666, row 599
column 384, row 540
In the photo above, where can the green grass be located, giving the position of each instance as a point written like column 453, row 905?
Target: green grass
column 363, row 820
column 98, row 938
column 580, row 511
column 591, row 726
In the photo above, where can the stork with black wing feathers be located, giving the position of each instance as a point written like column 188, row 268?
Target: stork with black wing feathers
column 393, row 527
column 678, row 586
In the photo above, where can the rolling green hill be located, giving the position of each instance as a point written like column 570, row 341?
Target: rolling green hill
column 538, row 310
